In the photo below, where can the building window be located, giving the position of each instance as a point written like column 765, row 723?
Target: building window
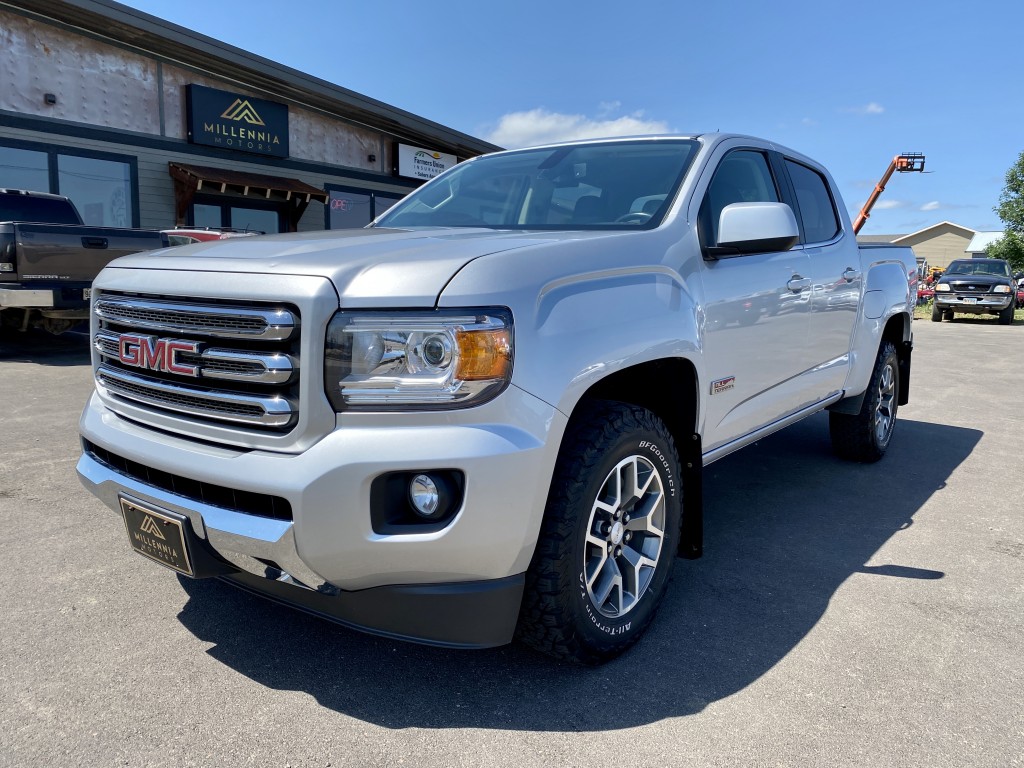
column 226, row 213
column 350, row 208
column 100, row 189
column 103, row 187
column 24, row 169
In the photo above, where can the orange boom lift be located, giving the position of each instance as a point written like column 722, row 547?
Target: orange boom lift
column 908, row 161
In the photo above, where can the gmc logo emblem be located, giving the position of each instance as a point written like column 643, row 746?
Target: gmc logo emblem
column 156, row 354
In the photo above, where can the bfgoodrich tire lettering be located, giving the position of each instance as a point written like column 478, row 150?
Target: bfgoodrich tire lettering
column 609, row 536
column 865, row 436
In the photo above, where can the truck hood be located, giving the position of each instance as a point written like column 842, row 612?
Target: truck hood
column 368, row 267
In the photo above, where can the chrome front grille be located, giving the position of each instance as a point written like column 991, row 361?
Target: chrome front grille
column 223, row 321
column 219, row 362
column 971, row 289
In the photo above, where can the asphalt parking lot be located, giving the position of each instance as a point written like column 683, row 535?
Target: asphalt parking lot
column 843, row 615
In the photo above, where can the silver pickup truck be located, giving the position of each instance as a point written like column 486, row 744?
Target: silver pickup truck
column 486, row 415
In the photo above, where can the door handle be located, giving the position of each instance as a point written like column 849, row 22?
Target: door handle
column 94, row 242
column 851, row 274
column 797, row 283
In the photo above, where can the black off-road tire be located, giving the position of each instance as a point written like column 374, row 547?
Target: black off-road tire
column 560, row 615
column 936, row 314
column 865, row 436
column 1006, row 315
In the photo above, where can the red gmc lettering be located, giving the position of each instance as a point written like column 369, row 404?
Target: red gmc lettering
column 156, row 354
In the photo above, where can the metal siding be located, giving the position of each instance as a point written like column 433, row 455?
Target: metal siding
column 100, row 84
column 940, row 250
column 94, row 83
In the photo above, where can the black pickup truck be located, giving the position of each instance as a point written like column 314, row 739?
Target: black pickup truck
column 49, row 257
column 976, row 287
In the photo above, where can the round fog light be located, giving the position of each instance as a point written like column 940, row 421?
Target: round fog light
column 424, row 495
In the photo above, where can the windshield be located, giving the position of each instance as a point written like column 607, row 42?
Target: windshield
column 612, row 185
column 979, row 267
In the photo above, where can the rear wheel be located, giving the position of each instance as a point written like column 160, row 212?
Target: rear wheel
column 609, row 536
column 865, row 436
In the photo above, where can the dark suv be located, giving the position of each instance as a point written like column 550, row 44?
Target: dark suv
column 976, row 287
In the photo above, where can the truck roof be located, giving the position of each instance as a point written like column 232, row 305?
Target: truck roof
column 30, row 193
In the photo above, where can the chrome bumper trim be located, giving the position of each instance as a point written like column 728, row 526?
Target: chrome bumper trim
column 245, row 541
column 26, row 297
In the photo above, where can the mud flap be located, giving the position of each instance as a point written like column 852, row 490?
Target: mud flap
column 691, row 533
column 905, row 349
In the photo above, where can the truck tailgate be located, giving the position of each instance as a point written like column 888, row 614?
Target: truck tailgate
column 74, row 253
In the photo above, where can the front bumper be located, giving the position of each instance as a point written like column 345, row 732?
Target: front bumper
column 328, row 559
column 974, row 304
column 68, row 297
column 26, row 297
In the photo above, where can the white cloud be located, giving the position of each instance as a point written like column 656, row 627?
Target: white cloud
column 888, row 205
column 934, row 205
column 606, row 108
column 538, row 126
column 809, row 122
column 872, row 108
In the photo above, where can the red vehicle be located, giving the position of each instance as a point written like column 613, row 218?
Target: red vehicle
column 925, row 292
column 187, row 236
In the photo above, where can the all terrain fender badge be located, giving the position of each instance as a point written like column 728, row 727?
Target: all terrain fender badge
column 723, row 385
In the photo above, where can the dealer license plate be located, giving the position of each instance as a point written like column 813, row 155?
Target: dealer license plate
column 87, row 293
column 157, row 534
column 970, row 301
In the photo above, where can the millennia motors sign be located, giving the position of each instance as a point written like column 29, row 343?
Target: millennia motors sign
column 235, row 121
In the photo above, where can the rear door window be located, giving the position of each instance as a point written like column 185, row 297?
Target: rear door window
column 817, row 211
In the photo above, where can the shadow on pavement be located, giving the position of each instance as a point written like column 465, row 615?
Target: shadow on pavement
column 34, row 346
column 786, row 525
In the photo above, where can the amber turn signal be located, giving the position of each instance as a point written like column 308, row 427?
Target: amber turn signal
column 483, row 355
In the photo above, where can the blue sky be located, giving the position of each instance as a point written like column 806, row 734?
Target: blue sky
column 849, row 84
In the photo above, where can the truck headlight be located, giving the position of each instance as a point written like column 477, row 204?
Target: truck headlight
column 941, row 287
column 1001, row 289
column 417, row 360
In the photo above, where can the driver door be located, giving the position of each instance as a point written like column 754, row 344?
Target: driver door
column 757, row 310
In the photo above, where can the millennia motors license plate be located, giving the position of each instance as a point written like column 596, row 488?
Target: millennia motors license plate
column 157, row 534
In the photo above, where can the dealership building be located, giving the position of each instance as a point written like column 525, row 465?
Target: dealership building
column 143, row 123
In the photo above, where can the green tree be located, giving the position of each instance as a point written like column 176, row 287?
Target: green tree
column 1009, row 247
column 1011, row 211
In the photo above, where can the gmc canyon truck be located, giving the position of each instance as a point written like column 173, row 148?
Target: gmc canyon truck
column 486, row 415
column 49, row 257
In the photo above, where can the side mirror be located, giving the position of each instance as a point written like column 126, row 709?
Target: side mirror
column 755, row 228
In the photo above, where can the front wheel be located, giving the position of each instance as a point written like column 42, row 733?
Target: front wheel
column 609, row 535
column 936, row 314
column 1006, row 315
column 865, row 436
